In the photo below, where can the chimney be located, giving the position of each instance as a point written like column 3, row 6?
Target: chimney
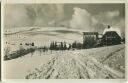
column 108, row 26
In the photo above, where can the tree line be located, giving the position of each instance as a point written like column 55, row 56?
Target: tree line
column 62, row 46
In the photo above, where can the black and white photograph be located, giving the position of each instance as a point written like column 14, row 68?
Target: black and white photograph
column 64, row 41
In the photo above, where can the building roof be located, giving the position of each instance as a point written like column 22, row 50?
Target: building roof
column 117, row 30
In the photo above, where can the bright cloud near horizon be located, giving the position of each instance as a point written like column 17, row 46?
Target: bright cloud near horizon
column 81, row 19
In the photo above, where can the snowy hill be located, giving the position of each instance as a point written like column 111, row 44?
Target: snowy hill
column 96, row 63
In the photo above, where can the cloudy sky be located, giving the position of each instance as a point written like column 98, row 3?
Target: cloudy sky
column 77, row 16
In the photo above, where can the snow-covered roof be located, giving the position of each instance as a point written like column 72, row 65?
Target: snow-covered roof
column 117, row 30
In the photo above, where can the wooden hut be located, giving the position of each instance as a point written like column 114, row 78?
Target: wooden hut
column 111, row 38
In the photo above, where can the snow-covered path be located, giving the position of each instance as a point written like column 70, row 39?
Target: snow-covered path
column 79, row 64
column 75, row 66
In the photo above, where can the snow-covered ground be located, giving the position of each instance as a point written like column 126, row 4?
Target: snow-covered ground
column 103, row 62
column 96, row 63
column 40, row 36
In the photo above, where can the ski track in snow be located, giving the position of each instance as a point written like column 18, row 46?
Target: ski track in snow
column 79, row 65
column 96, row 63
